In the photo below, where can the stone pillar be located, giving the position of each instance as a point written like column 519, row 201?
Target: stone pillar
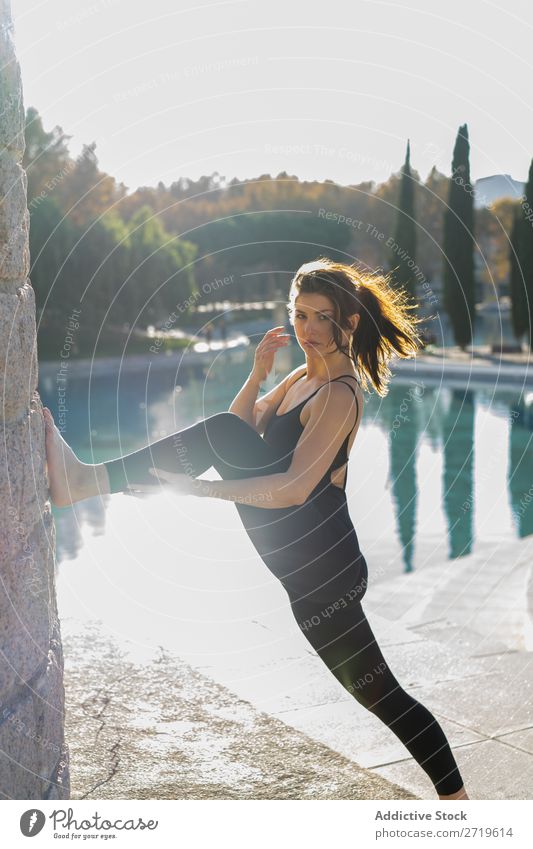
column 33, row 753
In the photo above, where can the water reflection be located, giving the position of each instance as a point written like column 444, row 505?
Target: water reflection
column 520, row 466
column 70, row 523
column 458, row 478
column 403, row 426
column 443, row 446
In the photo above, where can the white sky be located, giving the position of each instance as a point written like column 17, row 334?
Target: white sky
column 323, row 90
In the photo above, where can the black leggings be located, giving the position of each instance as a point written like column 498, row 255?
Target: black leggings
column 339, row 632
column 344, row 640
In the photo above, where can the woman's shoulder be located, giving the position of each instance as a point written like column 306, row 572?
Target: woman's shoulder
column 351, row 395
column 353, row 382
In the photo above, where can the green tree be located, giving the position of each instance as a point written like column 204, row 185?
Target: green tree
column 86, row 192
column 525, row 249
column 430, row 203
column 98, row 266
column 46, row 158
column 403, row 251
column 52, row 238
column 458, row 289
column 270, row 243
column 517, row 289
column 161, row 274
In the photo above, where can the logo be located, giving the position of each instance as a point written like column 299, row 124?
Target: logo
column 32, row 822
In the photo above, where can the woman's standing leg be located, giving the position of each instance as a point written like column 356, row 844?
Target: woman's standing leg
column 347, row 645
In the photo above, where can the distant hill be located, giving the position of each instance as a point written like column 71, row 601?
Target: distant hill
column 489, row 189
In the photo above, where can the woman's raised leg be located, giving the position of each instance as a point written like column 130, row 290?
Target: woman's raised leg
column 223, row 440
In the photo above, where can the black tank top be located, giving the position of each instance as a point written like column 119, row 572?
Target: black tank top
column 283, row 432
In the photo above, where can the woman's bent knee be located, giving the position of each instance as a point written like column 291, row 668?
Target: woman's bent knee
column 223, row 417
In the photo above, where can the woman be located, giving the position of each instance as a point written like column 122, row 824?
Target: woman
column 288, row 484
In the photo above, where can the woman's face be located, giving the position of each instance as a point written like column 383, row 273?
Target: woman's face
column 314, row 320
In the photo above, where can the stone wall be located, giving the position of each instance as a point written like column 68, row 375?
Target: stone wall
column 33, row 753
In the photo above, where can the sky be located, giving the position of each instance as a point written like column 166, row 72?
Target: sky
column 322, row 90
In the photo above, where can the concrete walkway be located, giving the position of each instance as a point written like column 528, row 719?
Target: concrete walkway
column 475, row 366
column 268, row 720
column 458, row 637
column 157, row 729
column 473, row 662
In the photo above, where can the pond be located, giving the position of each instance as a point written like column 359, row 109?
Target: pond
column 434, row 471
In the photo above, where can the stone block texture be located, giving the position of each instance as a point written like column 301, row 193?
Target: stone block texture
column 34, row 761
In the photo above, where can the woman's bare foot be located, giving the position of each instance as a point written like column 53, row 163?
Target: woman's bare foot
column 70, row 480
column 460, row 794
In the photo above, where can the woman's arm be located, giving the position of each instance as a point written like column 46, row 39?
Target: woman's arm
column 268, row 491
column 243, row 404
column 257, row 412
column 332, row 414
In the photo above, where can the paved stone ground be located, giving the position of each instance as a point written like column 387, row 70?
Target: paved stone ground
column 162, row 730
column 475, row 365
column 457, row 635
column 481, row 354
column 474, row 615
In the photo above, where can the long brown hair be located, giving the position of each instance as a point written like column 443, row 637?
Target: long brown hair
column 385, row 327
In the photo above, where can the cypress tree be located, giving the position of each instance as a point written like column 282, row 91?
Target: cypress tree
column 525, row 251
column 517, row 290
column 403, row 262
column 458, row 244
